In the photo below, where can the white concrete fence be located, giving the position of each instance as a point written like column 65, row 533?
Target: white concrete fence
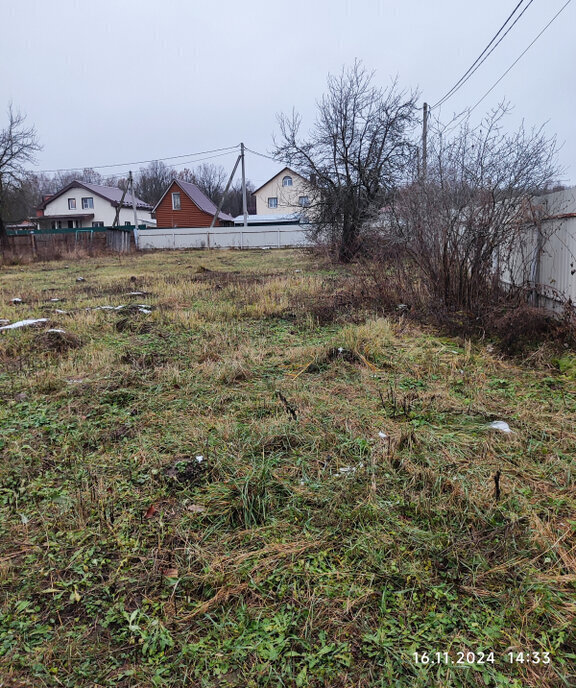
column 270, row 236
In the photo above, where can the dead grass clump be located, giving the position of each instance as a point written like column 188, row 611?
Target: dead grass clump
column 143, row 361
column 57, row 341
column 134, row 323
column 521, row 327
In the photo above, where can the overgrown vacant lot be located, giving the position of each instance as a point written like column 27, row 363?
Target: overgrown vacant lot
column 195, row 490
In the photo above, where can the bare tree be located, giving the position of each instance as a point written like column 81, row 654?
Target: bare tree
column 355, row 155
column 18, row 145
column 462, row 226
column 152, row 181
column 211, row 180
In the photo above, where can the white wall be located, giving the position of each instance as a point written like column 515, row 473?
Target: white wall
column 287, row 195
column 103, row 209
column 273, row 236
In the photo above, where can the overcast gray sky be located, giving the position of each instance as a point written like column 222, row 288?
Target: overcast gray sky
column 114, row 81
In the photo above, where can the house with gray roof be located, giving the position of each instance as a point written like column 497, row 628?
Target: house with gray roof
column 82, row 205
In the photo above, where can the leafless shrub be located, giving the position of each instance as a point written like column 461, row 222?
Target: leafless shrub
column 461, row 226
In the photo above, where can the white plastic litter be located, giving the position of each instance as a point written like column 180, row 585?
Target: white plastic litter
column 23, row 323
column 80, row 279
column 16, row 300
column 383, row 435
column 136, row 293
column 56, row 330
column 4, row 322
column 500, row 425
column 144, row 310
column 199, row 458
column 55, row 300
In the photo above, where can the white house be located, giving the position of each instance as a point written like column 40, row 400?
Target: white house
column 80, row 204
column 285, row 193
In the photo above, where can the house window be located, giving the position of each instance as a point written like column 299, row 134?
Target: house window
column 273, row 202
column 287, row 180
column 71, row 224
column 303, row 201
column 71, row 204
column 176, row 201
column 97, row 224
column 127, row 224
column 87, row 203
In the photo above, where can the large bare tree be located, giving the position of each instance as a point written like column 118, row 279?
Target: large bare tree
column 18, row 146
column 354, row 156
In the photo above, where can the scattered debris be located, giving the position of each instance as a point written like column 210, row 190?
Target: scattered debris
column 152, row 510
column 16, row 300
column 21, row 396
column 55, row 300
column 497, row 485
column 56, row 330
column 137, row 293
column 80, row 279
column 170, row 573
column 500, row 425
column 196, row 508
column 383, row 435
column 60, row 311
column 24, row 323
column 187, row 471
column 290, row 410
column 3, row 321
column 403, row 307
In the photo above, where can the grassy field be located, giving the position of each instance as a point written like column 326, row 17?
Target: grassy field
column 240, row 480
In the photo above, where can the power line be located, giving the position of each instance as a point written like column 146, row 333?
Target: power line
column 484, row 54
column 262, row 155
column 121, row 175
column 520, row 56
column 139, row 162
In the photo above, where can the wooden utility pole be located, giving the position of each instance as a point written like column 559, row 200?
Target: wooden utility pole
column 244, row 200
column 131, row 181
column 424, row 140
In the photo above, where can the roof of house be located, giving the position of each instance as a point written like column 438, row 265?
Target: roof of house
column 197, row 197
column 286, row 169
column 110, row 193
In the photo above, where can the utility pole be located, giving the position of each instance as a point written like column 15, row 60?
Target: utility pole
column 244, row 201
column 131, row 183
column 424, row 140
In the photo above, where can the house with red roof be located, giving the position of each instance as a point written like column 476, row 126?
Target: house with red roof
column 184, row 205
column 83, row 205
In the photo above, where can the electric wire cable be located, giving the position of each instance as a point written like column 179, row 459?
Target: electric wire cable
column 139, row 162
column 520, row 56
column 484, row 54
